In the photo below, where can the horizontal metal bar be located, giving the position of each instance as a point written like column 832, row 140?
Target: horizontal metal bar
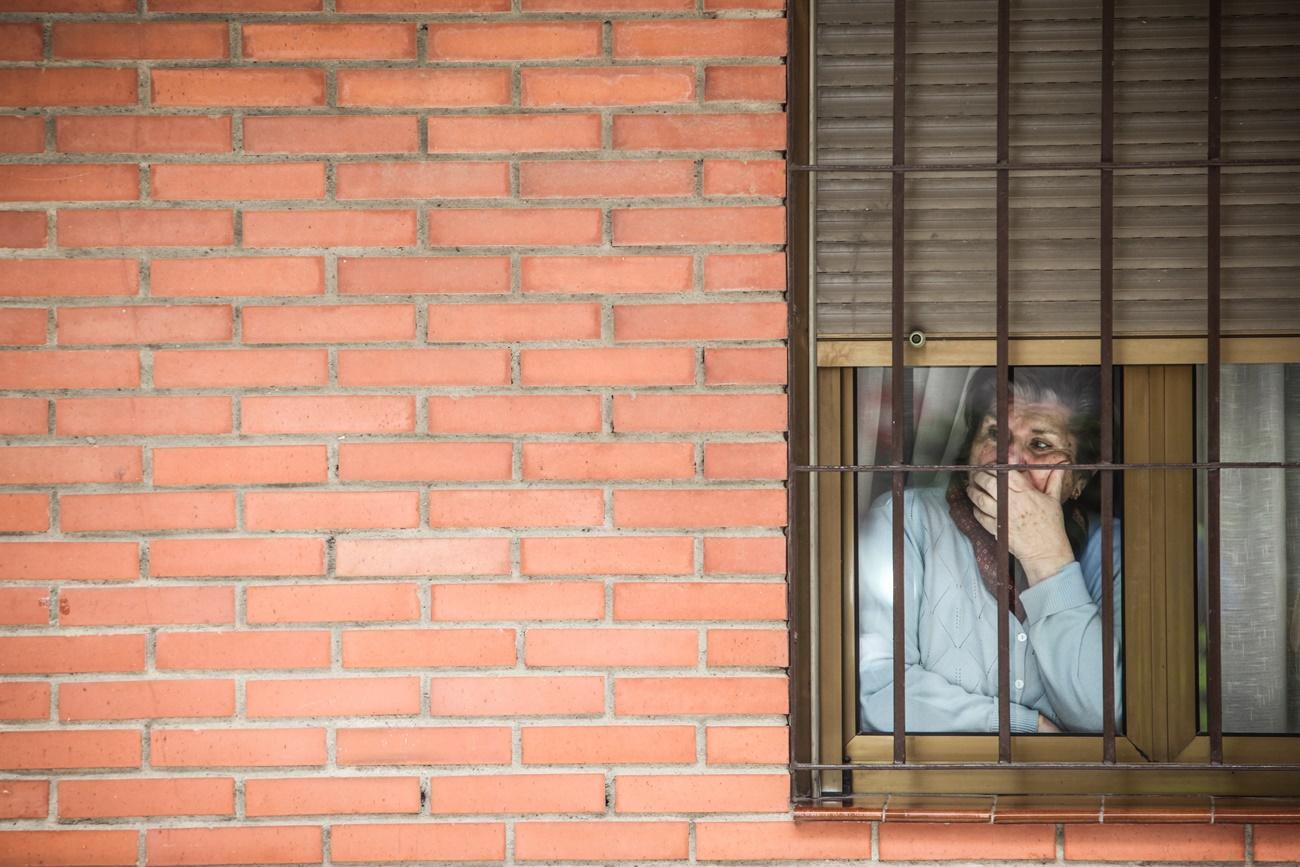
column 905, row 468
column 1038, row 167
column 1043, row 766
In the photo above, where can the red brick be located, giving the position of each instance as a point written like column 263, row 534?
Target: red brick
column 421, row 275
column 85, row 183
column 517, row 793
column 782, row 841
column 762, row 37
column 441, row 745
column 424, row 461
column 745, row 460
column 564, row 461
column 768, row 648
column 69, row 561
column 515, row 414
column 759, row 366
column 901, row 841
column 712, row 601
column 605, row 274
column 154, row 40
column 424, row 366
column 530, row 695
column 264, row 844
column 24, row 700
column 315, row 796
column 24, row 513
column 424, row 88
column 133, row 797
column 352, row 510
column 349, row 41
column 608, row 745
column 21, row 42
column 238, row 87
column 383, row 557
column 512, row 507
column 238, row 275
column 240, row 465
column 739, row 556
column 744, row 177
column 327, row 697
column 234, row 5
column 229, row 651
column 514, row 322
column 216, row 182
column 740, row 321
column 604, row 86
column 1277, row 842
column 699, row 413
column 332, row 414
column 601, row 841
column 25, row 606
column 532, row 600
column 700, row 132
column 146, row 699
column 54, row 369
column 323, row 603
column 710, row 5
column 461, row 841
column 24, row 799
column 22, row 135
column 24, row 415
column 524, row 133
column 487, row 227
column 124, row 227
column 22, row 228
column 70, row 654
column 1130, row 843
column 23, row 326
column 225, row 748
column 130, row 606
column 428, row 648
column 431, row 180
column 331, row 135
column 225, row 368
column 339, row 228
column 191, row 323
column 27, row 88
column 712, row 696
column 752, row 225
column 747, row 745
column 606, row 648
column 28, row 750
column 542, row 41
column 618, row 555
column 702, row 793
column 236, row 558
column 68, row 848
column 142, row 134
column 614, row 178
column 745, row 83
column 190, row 510
column 711, row 507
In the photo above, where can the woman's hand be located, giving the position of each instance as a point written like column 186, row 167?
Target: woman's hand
column 1035, row 522
column 1046, row 726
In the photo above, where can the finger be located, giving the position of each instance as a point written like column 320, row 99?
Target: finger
column 988, row 523
column 1017, row 481
column 983, row 480
column 1055, row 483
column 981, row 500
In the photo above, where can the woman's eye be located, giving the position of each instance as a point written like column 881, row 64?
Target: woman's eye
column 1041, row 445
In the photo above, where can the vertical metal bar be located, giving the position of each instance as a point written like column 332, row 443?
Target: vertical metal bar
column 1003, row 376
column 1107, row 381
column 898, row 398
column 1214, row 660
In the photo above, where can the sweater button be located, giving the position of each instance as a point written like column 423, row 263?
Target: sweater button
column 1020, row 684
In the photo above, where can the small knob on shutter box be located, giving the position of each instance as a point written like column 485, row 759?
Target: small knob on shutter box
column 916, row 339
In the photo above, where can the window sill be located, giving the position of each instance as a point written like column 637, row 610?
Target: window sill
column 1073, row 809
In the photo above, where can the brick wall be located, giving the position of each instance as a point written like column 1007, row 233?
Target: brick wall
column 393, row 416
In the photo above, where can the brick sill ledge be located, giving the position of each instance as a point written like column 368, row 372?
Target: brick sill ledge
column 1076, row 809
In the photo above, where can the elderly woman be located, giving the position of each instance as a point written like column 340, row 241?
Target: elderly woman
column 949, row 547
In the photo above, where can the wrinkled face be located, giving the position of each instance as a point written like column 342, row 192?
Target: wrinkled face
column 1039, row 434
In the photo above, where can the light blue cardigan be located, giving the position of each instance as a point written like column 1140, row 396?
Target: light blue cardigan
column 951, row 633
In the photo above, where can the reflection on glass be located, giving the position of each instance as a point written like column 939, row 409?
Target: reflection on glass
column 1259, row 537
column 951, row 574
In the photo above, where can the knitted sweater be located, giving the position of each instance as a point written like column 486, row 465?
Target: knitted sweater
column 951, row 632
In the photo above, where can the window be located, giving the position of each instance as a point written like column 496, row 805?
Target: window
column 983, row 190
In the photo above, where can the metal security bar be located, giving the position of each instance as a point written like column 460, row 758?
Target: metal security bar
column 898, row 468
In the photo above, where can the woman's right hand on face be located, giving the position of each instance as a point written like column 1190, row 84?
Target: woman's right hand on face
column 1035, row 523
